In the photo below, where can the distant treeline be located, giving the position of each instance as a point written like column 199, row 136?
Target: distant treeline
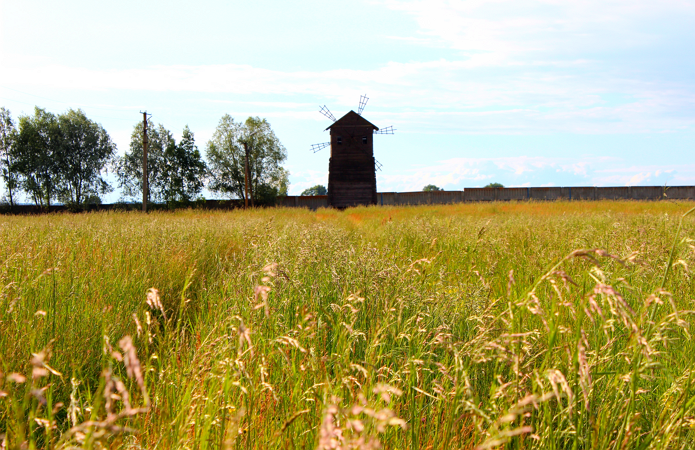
column 64, row 158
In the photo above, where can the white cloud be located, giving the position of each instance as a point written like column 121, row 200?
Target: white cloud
column 510, row 29
column 480, row 93
column 303, row 179
column 457, row 173
column 639, row 178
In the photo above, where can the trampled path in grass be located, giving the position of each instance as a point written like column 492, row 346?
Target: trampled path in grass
column 499, row 325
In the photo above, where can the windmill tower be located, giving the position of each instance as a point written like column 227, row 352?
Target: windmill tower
column 352, row 167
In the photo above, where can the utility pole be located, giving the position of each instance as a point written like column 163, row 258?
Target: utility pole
column 247, row 179
column 145, row 185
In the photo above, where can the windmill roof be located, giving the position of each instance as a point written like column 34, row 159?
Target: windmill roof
column 352, row 119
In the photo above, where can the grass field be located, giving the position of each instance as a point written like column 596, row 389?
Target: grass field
column 501, row 325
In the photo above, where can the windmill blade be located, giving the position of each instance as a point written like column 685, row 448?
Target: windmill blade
column 377, row 164
column 318, row 147
column 326, row 112
column 363, row 102
column 387, row 130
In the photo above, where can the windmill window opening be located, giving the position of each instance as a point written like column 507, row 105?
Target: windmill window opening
column 340, row 140
column 364, row 139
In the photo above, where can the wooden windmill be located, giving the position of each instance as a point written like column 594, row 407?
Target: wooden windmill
column 352, row 167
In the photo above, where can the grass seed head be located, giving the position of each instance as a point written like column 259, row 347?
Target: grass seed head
column 154, row 301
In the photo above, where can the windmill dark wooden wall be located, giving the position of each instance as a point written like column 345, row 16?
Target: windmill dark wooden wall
column 352, row 169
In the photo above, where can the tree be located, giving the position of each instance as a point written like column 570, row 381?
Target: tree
column 85, row 150
column 495, row 185
column 431, row 188
column 37, row 156
column 8, row 138
column 184, row 172
column 129, row 166
column 61, row 157
column 319, row 189
column 226, row 156
column 176, row 173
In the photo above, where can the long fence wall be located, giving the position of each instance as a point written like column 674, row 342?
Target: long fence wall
column 430, row 198
column 509, row 194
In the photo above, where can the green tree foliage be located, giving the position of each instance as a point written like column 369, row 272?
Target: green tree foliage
column 8, row 137
column 61, row 157
column 37, row 156
column 431, row 188
column 129, row 166
column 319, row 189
column 85, row 150
column 495, row 185
column 184, row 170
column 176, row 173
column 226, row 155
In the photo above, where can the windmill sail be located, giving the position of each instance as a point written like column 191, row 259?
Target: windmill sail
column 318, row 147
column 326, row 112
column 387, row 130
column 363, row 102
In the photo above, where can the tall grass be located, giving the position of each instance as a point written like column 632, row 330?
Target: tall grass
column 515, row 325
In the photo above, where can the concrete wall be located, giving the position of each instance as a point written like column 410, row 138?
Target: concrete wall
column 581, row 193
column 480, row 194
column 612, row 193
column 444, row 197
column 387, row 198
column 412, row 198
column 507, row 194
column 548, row 193
column 207, row 204
column 646, row 192
column 679, row 192
column 307, row 201
column 430, row 198
column 539, row 194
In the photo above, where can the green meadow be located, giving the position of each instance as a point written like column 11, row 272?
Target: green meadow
column 563, row 325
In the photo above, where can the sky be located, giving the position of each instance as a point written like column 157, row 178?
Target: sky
column 520, row 92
